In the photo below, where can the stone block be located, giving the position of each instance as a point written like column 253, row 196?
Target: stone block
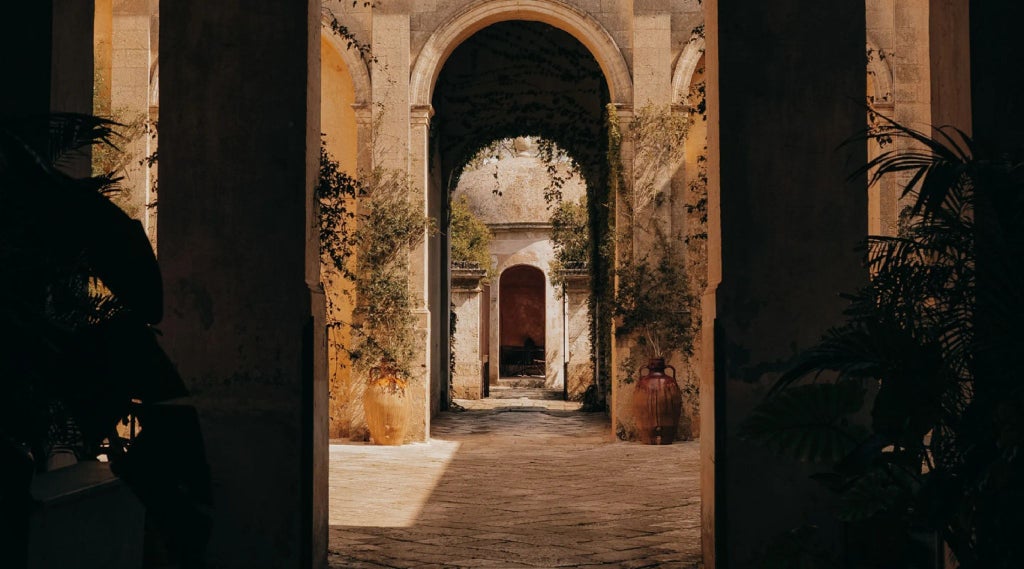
column 87, row 518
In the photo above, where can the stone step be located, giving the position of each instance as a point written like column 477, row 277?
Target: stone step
column 529, row 381
column 499, row 392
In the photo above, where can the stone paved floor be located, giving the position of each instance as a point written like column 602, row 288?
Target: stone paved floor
column 515, row 487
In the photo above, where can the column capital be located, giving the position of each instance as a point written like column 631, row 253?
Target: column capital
column 364, row 113
column 421, row 114
column 624, row 110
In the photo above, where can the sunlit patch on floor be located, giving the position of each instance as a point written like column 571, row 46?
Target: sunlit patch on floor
column 372, row 494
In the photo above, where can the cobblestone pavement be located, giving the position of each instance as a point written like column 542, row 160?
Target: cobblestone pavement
column 515, row 486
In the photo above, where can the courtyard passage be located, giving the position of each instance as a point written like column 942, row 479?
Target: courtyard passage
column 515, row 483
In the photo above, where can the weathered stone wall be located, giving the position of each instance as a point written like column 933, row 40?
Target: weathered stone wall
column 467, row 299
column 577, row 312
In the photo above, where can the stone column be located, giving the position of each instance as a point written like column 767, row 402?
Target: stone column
column 624, row 245
column 425, row 290
column 997, row 94
column 71, row 69
column 784, row 222
column 239, row 159
column 467, row 379
column 129, row 100
column 652, row 52
column 581, row 369
column 950, row 59
column 395, row 148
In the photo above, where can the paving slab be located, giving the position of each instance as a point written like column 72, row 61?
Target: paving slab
column 534, row 484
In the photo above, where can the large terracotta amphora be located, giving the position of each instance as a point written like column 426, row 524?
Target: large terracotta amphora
column 656, row 404
column 386, row 406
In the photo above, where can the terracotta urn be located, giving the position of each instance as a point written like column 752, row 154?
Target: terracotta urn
column 386, row 406
column 657, row 403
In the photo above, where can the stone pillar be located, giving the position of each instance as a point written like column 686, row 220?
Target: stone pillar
column 581, row 369
column 624, row 244
column 395, row 148
column 425, row 290
column 467, row 379
column 783, row 223
column 71, row 69
column 997, row 94
column 29, row 34
column 129, row 101
column 950, row 59
column 239, row 159
column 652, row 52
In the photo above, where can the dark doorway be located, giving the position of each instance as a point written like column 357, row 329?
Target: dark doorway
column 522, row 321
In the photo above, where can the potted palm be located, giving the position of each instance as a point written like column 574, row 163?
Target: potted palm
column 83, row 295
column 371, row 248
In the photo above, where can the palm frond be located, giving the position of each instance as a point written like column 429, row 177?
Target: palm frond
column 809, row 422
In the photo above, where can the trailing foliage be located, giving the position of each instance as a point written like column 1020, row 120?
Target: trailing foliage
column 934, row 337
column 657, row 136
column 652, row 301
column 371, row 248
column 336, row 193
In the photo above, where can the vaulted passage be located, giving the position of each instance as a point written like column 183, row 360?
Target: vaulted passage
column 525, row 79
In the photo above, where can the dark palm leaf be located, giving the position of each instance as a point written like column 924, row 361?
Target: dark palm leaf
column 810, row 422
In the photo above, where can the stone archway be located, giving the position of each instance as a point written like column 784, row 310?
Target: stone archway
column 686, row 67
column 483, row 13
column 426, row 263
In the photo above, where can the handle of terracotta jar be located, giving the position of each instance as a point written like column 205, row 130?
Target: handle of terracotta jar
column 673, row 370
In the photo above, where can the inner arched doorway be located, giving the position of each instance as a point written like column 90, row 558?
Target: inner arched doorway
column 511, row 79
column 522, row 318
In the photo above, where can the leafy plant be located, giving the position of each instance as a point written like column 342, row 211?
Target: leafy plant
column 570, row 237
column 652, row 300
column 469, row 237
column 368, row 227
column 932, row 339
column 82, row 294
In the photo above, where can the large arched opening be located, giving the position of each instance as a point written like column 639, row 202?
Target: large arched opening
column 510, row 79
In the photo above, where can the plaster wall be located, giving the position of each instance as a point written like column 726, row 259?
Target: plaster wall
column 339, row 127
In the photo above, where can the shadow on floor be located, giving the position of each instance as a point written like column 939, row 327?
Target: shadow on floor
column 516, row 488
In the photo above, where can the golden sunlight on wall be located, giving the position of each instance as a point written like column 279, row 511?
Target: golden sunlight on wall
column 337, row 118
column 103, row 32
column 338, row 124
